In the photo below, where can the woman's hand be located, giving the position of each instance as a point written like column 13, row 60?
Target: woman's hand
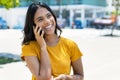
column 39, row 37
column 61, row 77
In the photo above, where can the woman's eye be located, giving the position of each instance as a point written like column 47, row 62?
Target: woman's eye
column 49, row 15
column 40, row 20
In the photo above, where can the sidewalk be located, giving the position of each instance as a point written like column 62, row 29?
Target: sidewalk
column 14, row 71
column 101, row 55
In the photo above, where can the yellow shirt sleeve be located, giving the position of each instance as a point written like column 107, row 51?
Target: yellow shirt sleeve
column 75, row 52
column 28, row 50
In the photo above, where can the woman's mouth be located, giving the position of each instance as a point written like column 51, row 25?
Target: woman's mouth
column 48, row 27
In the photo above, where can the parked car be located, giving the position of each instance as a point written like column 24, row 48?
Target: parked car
column 101, row 23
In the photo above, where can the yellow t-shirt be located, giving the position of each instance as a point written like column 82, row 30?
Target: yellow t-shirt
column 61, row 55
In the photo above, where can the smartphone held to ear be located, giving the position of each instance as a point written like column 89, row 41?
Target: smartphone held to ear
column 40, row 30
column 34, row 24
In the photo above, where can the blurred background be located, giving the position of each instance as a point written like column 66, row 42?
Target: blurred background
column 93, row 24
column 70, row 13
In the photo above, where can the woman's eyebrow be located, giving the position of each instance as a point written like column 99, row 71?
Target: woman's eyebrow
column 48, row 13
column 39, row 18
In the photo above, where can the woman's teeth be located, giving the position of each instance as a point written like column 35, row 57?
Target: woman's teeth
column 48, row 27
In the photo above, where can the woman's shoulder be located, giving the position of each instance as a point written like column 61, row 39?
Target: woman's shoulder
column 67, row 41
column 31, row 43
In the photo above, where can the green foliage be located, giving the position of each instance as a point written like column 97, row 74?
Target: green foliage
column 116, row 12
column 4, row 60
column 9, row 3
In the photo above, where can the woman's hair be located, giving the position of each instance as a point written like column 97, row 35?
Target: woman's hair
column 28, row 28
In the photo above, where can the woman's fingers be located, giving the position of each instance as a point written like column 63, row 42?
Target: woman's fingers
column 38, row 36
column 42, row 34
column 37, row 30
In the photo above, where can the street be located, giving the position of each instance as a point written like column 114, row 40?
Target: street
column 101, row 54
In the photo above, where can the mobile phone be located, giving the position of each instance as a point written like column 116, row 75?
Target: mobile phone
column 35, row 26
column 40, row 32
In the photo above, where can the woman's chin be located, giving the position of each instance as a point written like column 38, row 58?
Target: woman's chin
column 49, row 33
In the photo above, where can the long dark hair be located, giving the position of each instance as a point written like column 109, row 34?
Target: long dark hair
column 28, row 28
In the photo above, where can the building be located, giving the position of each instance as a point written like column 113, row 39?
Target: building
column 67, row 10
column 82, row 10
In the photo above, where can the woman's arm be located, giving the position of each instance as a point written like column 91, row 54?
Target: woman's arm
column 41, row 70
column 77, row 69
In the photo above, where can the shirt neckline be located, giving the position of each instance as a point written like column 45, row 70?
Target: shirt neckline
column 56, row 44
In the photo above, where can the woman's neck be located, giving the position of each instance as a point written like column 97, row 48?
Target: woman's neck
column 51, row 40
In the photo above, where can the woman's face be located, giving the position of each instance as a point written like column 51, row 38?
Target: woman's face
column 44, row 19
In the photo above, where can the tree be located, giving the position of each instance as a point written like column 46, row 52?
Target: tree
column 9, row 3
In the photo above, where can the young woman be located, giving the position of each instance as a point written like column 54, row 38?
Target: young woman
column 48, row 55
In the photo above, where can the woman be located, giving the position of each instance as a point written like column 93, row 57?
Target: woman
column 48, row 55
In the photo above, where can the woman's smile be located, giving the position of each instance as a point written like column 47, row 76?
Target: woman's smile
column 48, row 27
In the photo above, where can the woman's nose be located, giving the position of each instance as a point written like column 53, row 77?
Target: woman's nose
column 47, row 22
